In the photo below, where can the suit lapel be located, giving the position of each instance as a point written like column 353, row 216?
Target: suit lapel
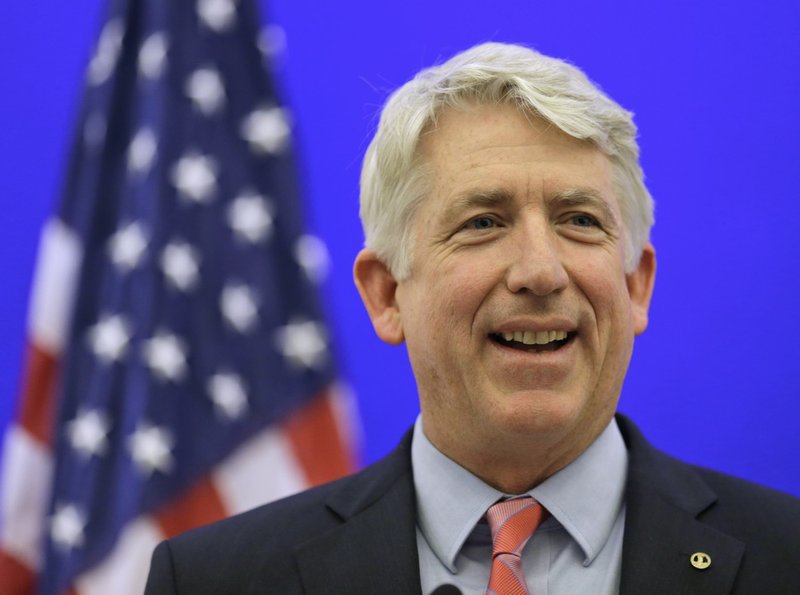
column 374, row 550
column 663, row 528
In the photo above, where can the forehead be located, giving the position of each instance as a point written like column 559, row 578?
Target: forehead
column 500, row 149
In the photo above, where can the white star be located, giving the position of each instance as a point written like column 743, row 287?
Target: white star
column 127, row 246
column 239, row 307
column 142, row 150
column 67, row 526
column 165, row 355
column 250, row 217
column 94, row 131
column 109, row 338
column 179, row 262
column 87, row 432
column 105, row 58
column 204, row 87
column 303, row 343
column 267, row 129
column 153, row 56
column 272, row 41
column 150, row 448
column 312, row 256
column 217, row 15
column 228, row 394
column 195, row 177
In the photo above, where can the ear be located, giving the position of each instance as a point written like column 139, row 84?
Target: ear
column 377, row 287
column 640, row 288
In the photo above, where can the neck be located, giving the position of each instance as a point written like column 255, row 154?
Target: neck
column 515, row 464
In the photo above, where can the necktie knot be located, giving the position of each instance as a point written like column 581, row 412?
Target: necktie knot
column 512, row 523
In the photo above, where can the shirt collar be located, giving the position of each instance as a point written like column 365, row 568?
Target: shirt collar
column 585, row 497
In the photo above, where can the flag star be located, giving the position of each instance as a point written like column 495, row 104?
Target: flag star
column 303, row 343
column 195, row 177
column 228, row 394
column 142, row 151
column 109, row 338
column 272, row 41
column 87, row 433
column 312, row 256
column 165, row 355
column 217, row 15
column 151, row 448
column 267, row 129
column 206, row 90
column 105, row 58
column 179, row 262
column 153, row 56
column 250, row 217
column 127, row 246
column 94, row 131
column 67, row 527
column 239, row 306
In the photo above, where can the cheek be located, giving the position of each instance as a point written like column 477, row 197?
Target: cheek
column 605, row 287
column 467, row 303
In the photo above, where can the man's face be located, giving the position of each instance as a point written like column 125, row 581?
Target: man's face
column 518, row 315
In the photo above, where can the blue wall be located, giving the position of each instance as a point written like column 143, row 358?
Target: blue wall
column 716, row 90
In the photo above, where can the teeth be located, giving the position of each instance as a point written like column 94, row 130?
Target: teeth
column 534, row 338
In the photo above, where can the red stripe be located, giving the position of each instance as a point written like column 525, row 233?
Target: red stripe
column 317, row 441
column 37, row 406
column 15, row 577
column 199, row 505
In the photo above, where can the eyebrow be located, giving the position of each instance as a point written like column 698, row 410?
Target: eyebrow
column 473, row 199
column 573, row 197
column 581, row 197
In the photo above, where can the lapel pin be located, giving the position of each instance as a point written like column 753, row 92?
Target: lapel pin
column 700, row 560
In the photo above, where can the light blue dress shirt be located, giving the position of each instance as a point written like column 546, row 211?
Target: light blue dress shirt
column 577, row 550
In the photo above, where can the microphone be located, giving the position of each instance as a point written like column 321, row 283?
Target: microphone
column 446, row 590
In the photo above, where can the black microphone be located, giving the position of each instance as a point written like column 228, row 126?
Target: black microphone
column 446, row 590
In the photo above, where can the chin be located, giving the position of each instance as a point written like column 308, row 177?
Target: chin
column 544, row 414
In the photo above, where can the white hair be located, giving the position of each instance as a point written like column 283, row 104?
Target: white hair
column 393, row 175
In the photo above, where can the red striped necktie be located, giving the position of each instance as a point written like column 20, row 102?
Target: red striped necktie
column 512, row 523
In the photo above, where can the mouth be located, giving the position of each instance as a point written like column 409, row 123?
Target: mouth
column 533, row 341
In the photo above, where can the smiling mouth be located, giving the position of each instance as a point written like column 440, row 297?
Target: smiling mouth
column 533, row 341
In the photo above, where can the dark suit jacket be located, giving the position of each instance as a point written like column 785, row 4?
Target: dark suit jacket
column 357, row 536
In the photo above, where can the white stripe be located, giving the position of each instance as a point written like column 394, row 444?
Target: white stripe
column 124, row 571
column 262, row 470
column 348, row 421
column 54, row 286
column 27, row 473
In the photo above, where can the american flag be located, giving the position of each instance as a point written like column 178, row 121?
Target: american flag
column 178, row 366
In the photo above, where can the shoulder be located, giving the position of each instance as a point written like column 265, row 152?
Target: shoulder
column 751, row 511
column 224, row 557
column 668, row 499
column 710, row 493
column 270, row 526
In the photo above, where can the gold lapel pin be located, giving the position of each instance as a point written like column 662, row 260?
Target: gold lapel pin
column 700, row 560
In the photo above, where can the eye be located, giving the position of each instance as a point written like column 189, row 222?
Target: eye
column 583, row 220
column 480, row 223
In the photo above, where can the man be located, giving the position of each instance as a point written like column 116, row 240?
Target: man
column 507, row 229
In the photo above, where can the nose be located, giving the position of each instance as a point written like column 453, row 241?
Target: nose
column 536, row 264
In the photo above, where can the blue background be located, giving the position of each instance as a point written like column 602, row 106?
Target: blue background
column 716, row 90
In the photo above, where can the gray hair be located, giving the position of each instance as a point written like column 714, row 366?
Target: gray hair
column 393, row 175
